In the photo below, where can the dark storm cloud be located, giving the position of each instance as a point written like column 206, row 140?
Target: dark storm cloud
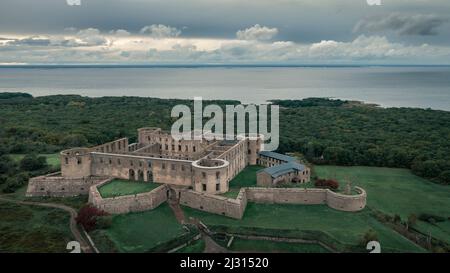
column 403, row 24
column 237, row 31
column 296, row 20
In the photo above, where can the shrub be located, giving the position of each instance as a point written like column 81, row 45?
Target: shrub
column 15, row 182
column 103, row 222
column 32, row 162
column 327, row 183
column 430, row 218
column 370, row 235
column 87, row 217
column 444, row 177
column 397, row 219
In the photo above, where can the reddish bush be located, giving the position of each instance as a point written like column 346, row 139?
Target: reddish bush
column 327, row 183
column 87, row 217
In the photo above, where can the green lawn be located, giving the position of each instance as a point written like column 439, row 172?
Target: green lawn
column 196, row 247
column 33, row 229
column 119, row 187
column 393, row 191
column 52, row 159
column 345, row 227
column 138, row 232
column 260, row 246
column 246, row 178
column 398, row 191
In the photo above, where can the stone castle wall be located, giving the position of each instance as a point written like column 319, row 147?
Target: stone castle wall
column 128, row 203
column 233, row 208
column 55, row 185
column 308, row 197
column 347, row 202
column 287, row 196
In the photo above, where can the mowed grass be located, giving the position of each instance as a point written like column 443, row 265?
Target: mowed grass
column 119, row 187
column 196, row 247
column 52, row 159
column 139, row 232
column 33, row 229
column 260, row 246
column 246, row 178
column 347, row 228
column 398, row 191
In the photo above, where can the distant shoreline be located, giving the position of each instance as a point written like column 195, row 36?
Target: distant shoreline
column 214, row 65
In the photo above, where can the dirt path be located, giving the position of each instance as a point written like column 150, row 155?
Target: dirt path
column 177, row 211
column 85, row 246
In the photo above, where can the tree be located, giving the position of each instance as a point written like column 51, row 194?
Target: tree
column 444, row 177
column 88, row 215
column 327, row 183
column 103, row 222
column 412, row 219
column 15, row 182
column 32, row 162
column 370, row 235
column 7, row 165
column 397, row 218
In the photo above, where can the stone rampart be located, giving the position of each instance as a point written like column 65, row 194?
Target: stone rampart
column 55, row 185
column 233, row 208
column 128, row 203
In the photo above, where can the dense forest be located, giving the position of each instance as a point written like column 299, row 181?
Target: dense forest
column 325, row 131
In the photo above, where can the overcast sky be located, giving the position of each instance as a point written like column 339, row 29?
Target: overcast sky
column 225, row 31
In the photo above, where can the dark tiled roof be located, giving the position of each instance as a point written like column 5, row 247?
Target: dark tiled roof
column 284, row 168
column 277, row 156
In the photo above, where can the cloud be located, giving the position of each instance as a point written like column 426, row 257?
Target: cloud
column 91, row 37
column 403, row 24
column 91, row 46
column 120, row 32
column 257, row 32
column 160, row 31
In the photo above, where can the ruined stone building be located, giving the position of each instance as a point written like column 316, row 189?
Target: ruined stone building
column 196, row 171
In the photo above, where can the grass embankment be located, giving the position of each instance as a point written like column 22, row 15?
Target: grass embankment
column 33, row 229
column 119, row 187
column 398, row 191
column 139, row 232
column 196, row 247
column 260, row 246
column 345, row 227
column 392, row 191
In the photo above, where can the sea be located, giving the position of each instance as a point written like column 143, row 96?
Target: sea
column 387, row 86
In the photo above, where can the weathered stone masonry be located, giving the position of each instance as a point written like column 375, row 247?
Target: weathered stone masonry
column 235, row 208
column 196, row 170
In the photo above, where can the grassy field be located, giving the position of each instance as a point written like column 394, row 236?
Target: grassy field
column 398, row 191
column 347, row 228
column 246, row 178
column 138, row 232
column 75, row 202
column 392, row 191
column 260, row 246
column 119, row 187
column 52, row 159
column 196, row 247
column 33, row 229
